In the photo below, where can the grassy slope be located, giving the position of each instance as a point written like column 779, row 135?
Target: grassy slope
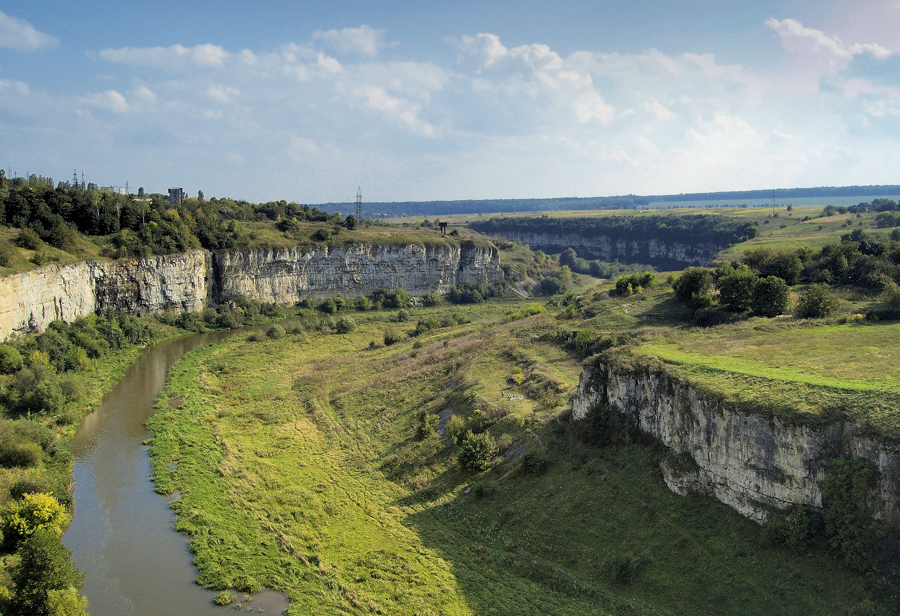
column 299, row 469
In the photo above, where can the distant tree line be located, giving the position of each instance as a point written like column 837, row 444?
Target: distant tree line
column 139, row 225
column 759, row 282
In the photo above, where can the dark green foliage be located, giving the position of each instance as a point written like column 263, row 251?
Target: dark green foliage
column 476, row 451
column 276, row 332
column 785, row 264
column 432, row 298
column 535, row 462
column 624, row 568
column 604, row 425
column 350, row 222
column 694, row 287
column 224, row 598
column 710, row 317
column 7, row 252
column 392, row 335
column 849, row 494
column 385, row 298
column 10, row 359
column 345, row 325
column 28, row 239
column 322, row 235
column 816, row 302
column 771, row 297
column 473, row 293
column 737, row 289
column 634, row 283
column 45, row 565
column 427, row 424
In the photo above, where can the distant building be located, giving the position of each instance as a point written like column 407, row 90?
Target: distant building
column 176, row 196
column 116, row 190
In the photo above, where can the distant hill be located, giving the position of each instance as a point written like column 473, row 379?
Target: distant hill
column 394, row 209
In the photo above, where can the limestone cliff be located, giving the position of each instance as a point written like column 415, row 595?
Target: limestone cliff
column 189, row 281
column 743, row 460
column 286, row 275
column 651, row 251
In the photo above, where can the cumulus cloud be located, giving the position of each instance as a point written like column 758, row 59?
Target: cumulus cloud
column 830, row 50
column 364, row 40
column 659, row 110
column 20, row 35
column 402, row 111
column 109, row 100
column 591, row 106
column 222, row 94
column 175, row 57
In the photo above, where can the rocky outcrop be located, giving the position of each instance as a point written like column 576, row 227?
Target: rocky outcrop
column 746, row 461
column 650, row 251
column 287, row 275
column 189, row 281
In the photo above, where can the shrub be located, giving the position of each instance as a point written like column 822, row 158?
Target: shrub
column 535, row 462
column 736, row 290
column 476, row 451
column 345, row 325
column 771, row 297
column 327, row 305
column 624, row 568
column 7, row 252
column 850, row 524
column 392, row 335
column 66, row 602
column 432, row 298
column 816, row 303
column 10, row 359
column 45, row 565
column 224, row 598
column 322, row 235
column 17, row 454
column 35, row 512
column 455, row 429
column 276, row 332
column 29, row 239
column 428, row 423
column 693, row 287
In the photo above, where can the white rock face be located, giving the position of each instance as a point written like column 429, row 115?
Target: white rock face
column 189, row 281
column 650, row 251
column 33, row 299
column 285, row 276
column 745, row 461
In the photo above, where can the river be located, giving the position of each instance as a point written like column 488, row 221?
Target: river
column 121, row 536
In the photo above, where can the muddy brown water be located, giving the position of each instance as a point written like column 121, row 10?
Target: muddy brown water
column 122, row 533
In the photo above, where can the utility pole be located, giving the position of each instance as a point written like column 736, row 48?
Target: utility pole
column 359, row 203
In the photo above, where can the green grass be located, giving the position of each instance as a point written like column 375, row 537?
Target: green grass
column 299, row 469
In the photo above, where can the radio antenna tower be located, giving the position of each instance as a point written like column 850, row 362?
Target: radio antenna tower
column 359, row 203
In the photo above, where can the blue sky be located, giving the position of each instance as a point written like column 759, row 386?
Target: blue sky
column 452, row 100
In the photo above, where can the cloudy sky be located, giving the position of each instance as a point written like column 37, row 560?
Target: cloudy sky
column 452, row 100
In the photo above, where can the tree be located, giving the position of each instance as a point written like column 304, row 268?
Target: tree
column 816, row 303
column 771, row 297
column 693, row 287
column 736, row 290
column 350, row 222
column 476, row 451
column 31, row 514
column 45, row 565
column 848, row 494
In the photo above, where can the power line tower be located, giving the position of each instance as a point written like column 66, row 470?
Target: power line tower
column 359, row 203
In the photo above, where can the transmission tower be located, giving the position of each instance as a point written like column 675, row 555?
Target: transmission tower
column 359, row 203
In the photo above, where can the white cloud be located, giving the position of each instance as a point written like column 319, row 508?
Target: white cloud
column 591, row 106
column 402, row 111
column 144, row 93
column 175, row 57
column 829, row 49
column 329, row 64
column 365, row 40
column 20, row 35
column 659, row 110
column 109, row 100
column 222, row 94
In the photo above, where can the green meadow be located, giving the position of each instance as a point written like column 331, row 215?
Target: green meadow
column 319, row 464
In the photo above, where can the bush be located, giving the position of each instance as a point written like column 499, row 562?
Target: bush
column 736, row 290
column 392, row 335
column 476, row 451
column 35, row 512
column 29, row 239
column 345, row 325
column 322, row 235
column 694, row 287
column 432, row 298
column 7, row 252
column 428, row 423
column 66, row 602
column 10, row 359
column 624, row 568
column 455, row 429
column 17, row 454
column 276, row 332
column 849, row 493
column 535, row 462
column 224, row 598
column 771, row 297
column 45, row 565
column 816, row 303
